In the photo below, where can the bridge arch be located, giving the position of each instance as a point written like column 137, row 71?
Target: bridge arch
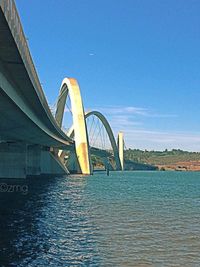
column 70, row 87
column 109, row 131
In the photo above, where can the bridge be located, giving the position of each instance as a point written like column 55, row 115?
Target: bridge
column 32, row 139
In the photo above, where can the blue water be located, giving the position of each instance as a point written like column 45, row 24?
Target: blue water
column 125, row 219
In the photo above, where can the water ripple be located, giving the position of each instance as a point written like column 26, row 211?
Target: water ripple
column 127, row 219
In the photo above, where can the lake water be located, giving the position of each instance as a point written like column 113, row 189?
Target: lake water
column 125, row 219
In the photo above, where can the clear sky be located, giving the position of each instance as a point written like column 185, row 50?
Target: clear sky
column 137, row 61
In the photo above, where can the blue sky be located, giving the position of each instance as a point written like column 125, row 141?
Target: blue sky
column 137, row 61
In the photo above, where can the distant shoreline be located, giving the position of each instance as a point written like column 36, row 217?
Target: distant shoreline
column 181, row 166
column 167, row 160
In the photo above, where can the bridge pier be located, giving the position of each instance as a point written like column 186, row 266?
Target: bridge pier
column 80, row 131
column 19, row 160
column 73, row 164
column 12, row 160
column 121, row 148
column 33, row 160
column 50, row 164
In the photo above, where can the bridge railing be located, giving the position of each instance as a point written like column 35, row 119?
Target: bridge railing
column 10, row 11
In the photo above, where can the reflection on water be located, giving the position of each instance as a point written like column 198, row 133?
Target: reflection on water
column 126, row 219
column 48, row 226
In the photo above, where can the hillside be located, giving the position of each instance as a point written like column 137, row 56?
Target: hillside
column 175, row 159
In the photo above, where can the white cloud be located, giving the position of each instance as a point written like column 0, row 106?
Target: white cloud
column 134, row 111
column 131, row 120
column 160, row 140
column 121, row 110
column 123, row 120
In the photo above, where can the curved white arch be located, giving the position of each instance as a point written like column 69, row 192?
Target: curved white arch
column 109, row 131
column 70, row 86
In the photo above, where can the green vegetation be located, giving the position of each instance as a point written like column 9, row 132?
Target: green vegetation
column 160, row 157
column 136, row 159
column 131, row 165
column 97, row 162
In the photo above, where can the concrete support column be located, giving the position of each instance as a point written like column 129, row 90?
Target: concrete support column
column 80, row 130
column 121, row 148
column 51, row 164
column 19, row 160
column 33, row 160
column 72, row 163
column 41, row 160
column 13, row 160
column 80, row 133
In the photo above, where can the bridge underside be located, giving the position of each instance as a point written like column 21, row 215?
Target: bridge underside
column 22, row 106
column 15, row 125
column 19, row 160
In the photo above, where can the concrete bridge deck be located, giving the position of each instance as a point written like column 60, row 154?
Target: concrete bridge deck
column 24, row 112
